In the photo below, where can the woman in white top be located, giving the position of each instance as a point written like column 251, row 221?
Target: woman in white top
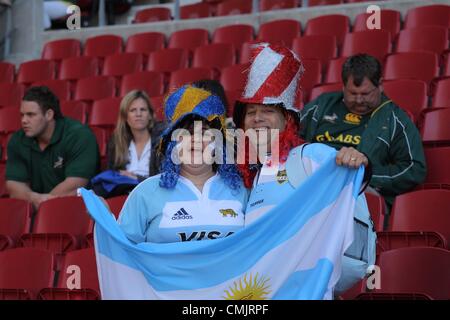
column 132, row 147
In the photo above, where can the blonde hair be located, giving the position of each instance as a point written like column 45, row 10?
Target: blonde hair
column 122, row 133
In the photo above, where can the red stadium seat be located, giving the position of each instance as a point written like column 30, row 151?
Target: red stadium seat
column 311, row 77
column 334, row 25
column 148, row 81
column 11, row 94
column 268, row 5
column 168, row 60
column 60, row 225
column 101, row 135
column 10, row 120
column 78, row 68
column 25, row 271
column 447, row 66
column 438, row 170
column 121, row 64
column 313, row 3
column 317, row 91
column 433, row 15
column 158, row 106
column 232, row 96
column 95, row 88
column 89, row 289
column 441, row 97
column 408, row 94
column 427, row 38
column 102, row 46
column 322, row 47
column 234, row 78
column 377, row 209
column 334, row 71
column 189, row 39
column 377, row 43
column 61, row 88
column 236, row 34
column 3, row 191
column 36, row 70
column 184, row 76
column 389, row 21
column 280, row 32
column 15, row 218
column 116, row 204
column 216, row 55
column 6, row 72
column 104, row 113
column 195, row 11
column 435, row 129
column 76, row 110
column 412, row 65
column 418, row 270
column 246, row 50
column 233, row 7
column 145, row 43
column 58, row 50
column 152, row 15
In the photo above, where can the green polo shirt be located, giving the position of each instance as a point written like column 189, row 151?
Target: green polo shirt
column 72, row 152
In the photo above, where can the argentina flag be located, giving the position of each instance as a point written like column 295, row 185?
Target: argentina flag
column 293, row 251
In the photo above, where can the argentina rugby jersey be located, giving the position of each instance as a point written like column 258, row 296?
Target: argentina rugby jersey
column 184, row 213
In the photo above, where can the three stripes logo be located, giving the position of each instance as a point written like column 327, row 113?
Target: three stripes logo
column 181, row 215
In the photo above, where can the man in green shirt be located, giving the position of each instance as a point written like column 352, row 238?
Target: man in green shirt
column 51, row 155
column 362, row 118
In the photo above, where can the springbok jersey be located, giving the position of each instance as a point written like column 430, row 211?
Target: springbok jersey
column 155, row 214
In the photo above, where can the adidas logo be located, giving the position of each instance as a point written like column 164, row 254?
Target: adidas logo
column 181, row 215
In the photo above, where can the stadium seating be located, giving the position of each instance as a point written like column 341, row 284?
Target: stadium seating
column 149, row 81
column 58, row 50
column 195, row 11
column 408, row 94
column 216, row 56
column 15, row 217
column 95, row 88
column 377, row 209
column 389, row 20
column 233, row 7
column 419, row 270
column 104, row 113
column 9, row 120
column 25, row 271
column 246, row 50
column 86, row 267
column 236, row 34
column 157, row 104
column 374, row 42
column 334, row 25
column 3, row 191
column 188, row 39
column 36, row 70
column 118, row 65
column 433, row 15
column 281, row 32
column 61, row 88
column 234, row 78
column 438, row 170
column 74, row 109
column 116, row 204
column 427, row 38
column 313, row 3
column 268, row 5
column 334, row 71
column 152, row 15
column 311, row 77
column 435, row 129
column 11, row 94
column 185, row 76
column 102, row 46
column 317, row 91
column 168, row 60
column 412, row 65
column 6, row 72
column 73, row 69
column 441, row 97
column 322, row 47
column 60, row 225
column 145, row 43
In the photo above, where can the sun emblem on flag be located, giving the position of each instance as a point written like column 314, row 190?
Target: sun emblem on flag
column 255, row 288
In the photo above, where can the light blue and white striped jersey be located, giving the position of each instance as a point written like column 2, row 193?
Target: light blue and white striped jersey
column 271, row 186
column 155, row 214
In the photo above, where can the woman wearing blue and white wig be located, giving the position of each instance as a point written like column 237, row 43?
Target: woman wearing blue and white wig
column 197, row 196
